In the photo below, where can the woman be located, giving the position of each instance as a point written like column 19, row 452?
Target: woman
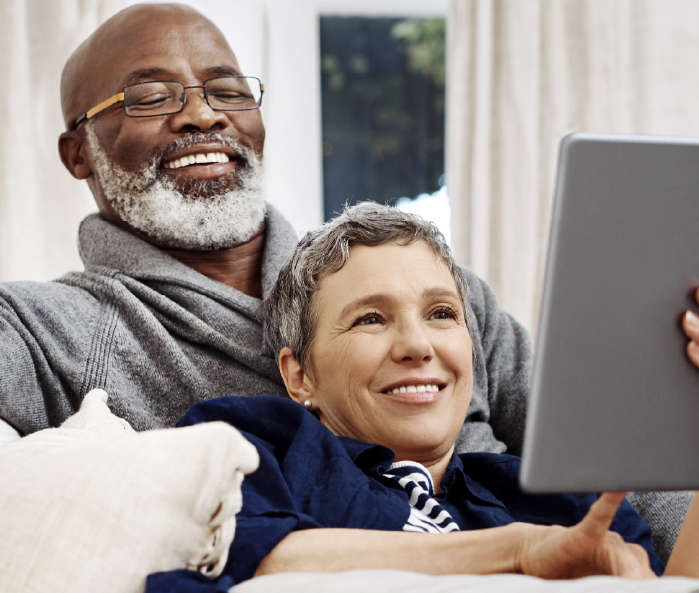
column 369, row 321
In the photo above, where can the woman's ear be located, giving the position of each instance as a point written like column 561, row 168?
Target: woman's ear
column 71, row 149
column 298, row 383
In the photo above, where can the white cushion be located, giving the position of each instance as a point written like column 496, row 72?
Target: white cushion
column 393, row 581
column 93, row 506
column 7, row 433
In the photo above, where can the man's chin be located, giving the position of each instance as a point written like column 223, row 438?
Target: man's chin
column 193, row 187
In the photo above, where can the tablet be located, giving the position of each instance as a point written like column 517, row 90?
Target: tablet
column 614, row 400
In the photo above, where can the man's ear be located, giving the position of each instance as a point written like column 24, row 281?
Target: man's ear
column 70, row 147
column 297, row 382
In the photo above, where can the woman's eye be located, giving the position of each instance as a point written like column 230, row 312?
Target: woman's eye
column 369, row 319
column 444, row 313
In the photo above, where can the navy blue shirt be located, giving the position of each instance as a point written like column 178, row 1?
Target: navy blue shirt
column 310, row 478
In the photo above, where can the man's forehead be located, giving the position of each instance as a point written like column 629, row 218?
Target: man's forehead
column 180, row 48
column 172, row 38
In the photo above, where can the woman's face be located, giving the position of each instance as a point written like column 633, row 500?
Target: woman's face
column 391, row 359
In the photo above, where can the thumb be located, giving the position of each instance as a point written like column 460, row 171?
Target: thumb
column 601, row 514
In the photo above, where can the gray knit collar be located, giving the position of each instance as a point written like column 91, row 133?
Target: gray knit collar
column 102, row 245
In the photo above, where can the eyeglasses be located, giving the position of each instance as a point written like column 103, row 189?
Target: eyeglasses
column 164, row 97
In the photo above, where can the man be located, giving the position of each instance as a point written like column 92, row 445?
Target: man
column 170, row 140
column 168, row 135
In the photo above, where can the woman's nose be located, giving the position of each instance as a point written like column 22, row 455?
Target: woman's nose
column 411, row 343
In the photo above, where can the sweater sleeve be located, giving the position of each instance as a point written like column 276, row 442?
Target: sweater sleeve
column 502, row 366
column 44, row 333
column 19, row 386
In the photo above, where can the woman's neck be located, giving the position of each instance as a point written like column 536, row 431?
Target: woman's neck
column 437, row 465
column 239, row 267
column 437, row 471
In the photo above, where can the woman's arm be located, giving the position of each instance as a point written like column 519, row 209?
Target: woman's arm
column 684, row 560
column 551, row 552
column 331, row 550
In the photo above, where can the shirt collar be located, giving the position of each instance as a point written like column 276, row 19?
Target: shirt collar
column 376, row 459
column 372, row 459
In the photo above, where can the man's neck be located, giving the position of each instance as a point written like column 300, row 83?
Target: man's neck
column 239, row 267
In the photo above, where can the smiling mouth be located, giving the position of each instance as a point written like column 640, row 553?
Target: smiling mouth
column 199, row 158
column 418, row 394
column 430, row 388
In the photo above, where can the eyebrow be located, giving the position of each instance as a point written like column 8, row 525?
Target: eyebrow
column 146, row 74
column 223, row 70
column 379, row 298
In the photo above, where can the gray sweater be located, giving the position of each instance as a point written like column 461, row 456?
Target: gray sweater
column 158, row 337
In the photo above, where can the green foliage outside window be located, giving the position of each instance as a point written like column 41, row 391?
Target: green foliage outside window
column 383, row 108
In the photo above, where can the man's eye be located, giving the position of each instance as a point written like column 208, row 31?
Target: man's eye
column 229, row 96
column 444, row 313
column 369, row 319
column 153, row 100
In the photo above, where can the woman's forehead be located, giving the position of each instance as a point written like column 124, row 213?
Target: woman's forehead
column 389, row 269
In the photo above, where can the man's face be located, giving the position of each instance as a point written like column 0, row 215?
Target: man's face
column 140, row 175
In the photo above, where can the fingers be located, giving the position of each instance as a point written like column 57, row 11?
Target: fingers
column 601, row 514
column 693, row 352
column 629, row 561
column 642, row 569
column 690, row 324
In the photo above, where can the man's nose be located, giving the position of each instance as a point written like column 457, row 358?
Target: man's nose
column 411, row 343
column 197, row 113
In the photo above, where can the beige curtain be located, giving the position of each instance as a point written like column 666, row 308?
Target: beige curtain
column 40, row 203
column 522, row 74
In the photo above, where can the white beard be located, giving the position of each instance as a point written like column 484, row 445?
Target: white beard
column 211, row 217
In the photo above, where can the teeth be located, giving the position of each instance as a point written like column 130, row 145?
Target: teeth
column 415, row 389
column 201, row 158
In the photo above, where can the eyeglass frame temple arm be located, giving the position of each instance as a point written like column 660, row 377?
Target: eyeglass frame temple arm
column 99, row 107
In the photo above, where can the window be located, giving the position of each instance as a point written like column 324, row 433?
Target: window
column 382, row 87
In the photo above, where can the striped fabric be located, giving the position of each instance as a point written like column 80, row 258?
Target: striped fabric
column 426, row 514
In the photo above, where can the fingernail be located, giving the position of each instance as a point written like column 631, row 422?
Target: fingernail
column 692, row 320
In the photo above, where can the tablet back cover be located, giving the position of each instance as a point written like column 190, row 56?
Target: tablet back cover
column 615, row 401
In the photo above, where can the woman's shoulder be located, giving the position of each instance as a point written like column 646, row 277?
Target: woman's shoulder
column 243, row 409
column 274, row 420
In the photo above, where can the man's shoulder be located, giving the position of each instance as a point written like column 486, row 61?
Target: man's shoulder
column 73, row 290
column 480, row 297
column 62, row 307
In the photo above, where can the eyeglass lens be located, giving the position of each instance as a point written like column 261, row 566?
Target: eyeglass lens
column 226, row 93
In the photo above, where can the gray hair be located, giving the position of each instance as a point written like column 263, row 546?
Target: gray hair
column 290, row 319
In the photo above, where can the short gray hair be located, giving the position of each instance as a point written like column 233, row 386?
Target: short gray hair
column 289, row 316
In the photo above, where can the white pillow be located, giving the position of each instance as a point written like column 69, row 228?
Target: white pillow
column 7, row 433
column 93, row 506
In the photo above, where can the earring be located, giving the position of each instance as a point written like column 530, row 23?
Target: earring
column 307, row 404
